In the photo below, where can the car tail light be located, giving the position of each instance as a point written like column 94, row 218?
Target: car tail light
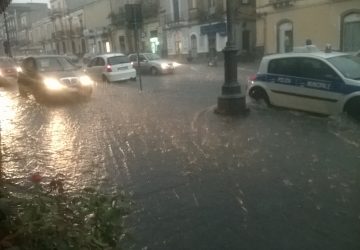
column 252, row 78
column 108, row 68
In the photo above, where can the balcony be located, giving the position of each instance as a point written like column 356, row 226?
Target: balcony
column 278, row 4
column 175, row 21
column 58, row 34
column 76, row 32
column 193, row 14
column 55, row 13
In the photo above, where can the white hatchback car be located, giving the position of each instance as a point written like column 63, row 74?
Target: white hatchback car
column 327, row 83
column 111, row 68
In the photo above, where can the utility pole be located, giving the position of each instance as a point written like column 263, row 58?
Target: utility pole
column 7, row 42
column 231, row 101
column 134, row 20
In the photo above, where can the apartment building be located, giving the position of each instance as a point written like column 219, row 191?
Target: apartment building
column 196, row 27
column 284, row 24
column 19, row 19
column 67, row 17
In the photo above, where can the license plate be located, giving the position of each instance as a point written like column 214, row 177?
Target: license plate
column 123, row 68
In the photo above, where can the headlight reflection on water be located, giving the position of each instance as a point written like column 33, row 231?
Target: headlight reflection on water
column 7, row 112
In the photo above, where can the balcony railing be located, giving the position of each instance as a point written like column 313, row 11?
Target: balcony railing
column 174, row 20
column 58, row 34
column 55, row 12
column 76, row 32
column 282, row 3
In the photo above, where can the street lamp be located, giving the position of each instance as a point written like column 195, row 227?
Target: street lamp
column 231, row 101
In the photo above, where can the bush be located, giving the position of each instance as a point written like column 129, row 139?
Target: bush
column 46, row 217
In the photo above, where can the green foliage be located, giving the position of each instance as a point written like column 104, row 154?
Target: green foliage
column 46, row 217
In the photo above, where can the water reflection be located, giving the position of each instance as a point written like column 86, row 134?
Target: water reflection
column 59, row 137
column 7, row 112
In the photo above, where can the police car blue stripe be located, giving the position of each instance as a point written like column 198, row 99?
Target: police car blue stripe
column 336, row 86
column 305, row 96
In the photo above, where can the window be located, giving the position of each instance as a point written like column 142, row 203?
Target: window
column 349, row 66
column 122, row 43
column 100, row 62
column 118, row 60
column 142, row 58
column 284, row 66
column 133, row 58
column 176, row 10
column 285, row 36
column 193, row 4
column 302, row 67
column 351, row 32
column 316, row 69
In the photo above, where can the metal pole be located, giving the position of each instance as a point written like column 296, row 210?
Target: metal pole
column 231, row 101
column 7, row 31
column 137, row 46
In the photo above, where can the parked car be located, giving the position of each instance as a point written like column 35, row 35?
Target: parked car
column 52, row 78
column 153, row 63
column 111, row 68
column 320, row 82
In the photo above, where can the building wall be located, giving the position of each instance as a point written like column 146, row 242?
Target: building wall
column 319, row 21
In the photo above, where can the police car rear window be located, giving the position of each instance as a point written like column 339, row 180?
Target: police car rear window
column 302, row 67
column 283, row 66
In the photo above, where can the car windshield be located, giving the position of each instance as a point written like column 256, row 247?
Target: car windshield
column 152, row 57
column 348, row 65
column 47, row 64
column 118, row 60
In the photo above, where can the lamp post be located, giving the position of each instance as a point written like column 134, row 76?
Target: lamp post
column 7, row 41
column 232, row 100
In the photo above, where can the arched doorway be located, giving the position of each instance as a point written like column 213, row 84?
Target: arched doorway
column 285, row 36
column 351, row 31
column 193, row 44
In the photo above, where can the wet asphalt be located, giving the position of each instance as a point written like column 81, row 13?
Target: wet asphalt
column 275, row 179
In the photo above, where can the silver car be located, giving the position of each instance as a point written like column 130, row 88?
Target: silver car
column 153, row 63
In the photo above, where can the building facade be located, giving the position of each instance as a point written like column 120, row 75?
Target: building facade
column 19, row 20
column 41, row 36
column 284, row 24
column 196, row 27
column 68, row 26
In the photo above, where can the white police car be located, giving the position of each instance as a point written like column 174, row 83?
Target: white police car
column 327, row 83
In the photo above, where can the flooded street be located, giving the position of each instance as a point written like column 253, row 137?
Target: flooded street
column 276, row 179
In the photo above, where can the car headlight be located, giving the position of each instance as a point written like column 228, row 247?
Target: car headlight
column 176, row 64
column 53, row 84
column 86, row 81
column 19, row 69
column 164, row 65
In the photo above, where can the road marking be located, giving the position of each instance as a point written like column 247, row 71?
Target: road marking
column 195, row 199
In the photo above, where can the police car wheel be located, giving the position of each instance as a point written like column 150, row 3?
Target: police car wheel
column 258, row 93
column 352, row 107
